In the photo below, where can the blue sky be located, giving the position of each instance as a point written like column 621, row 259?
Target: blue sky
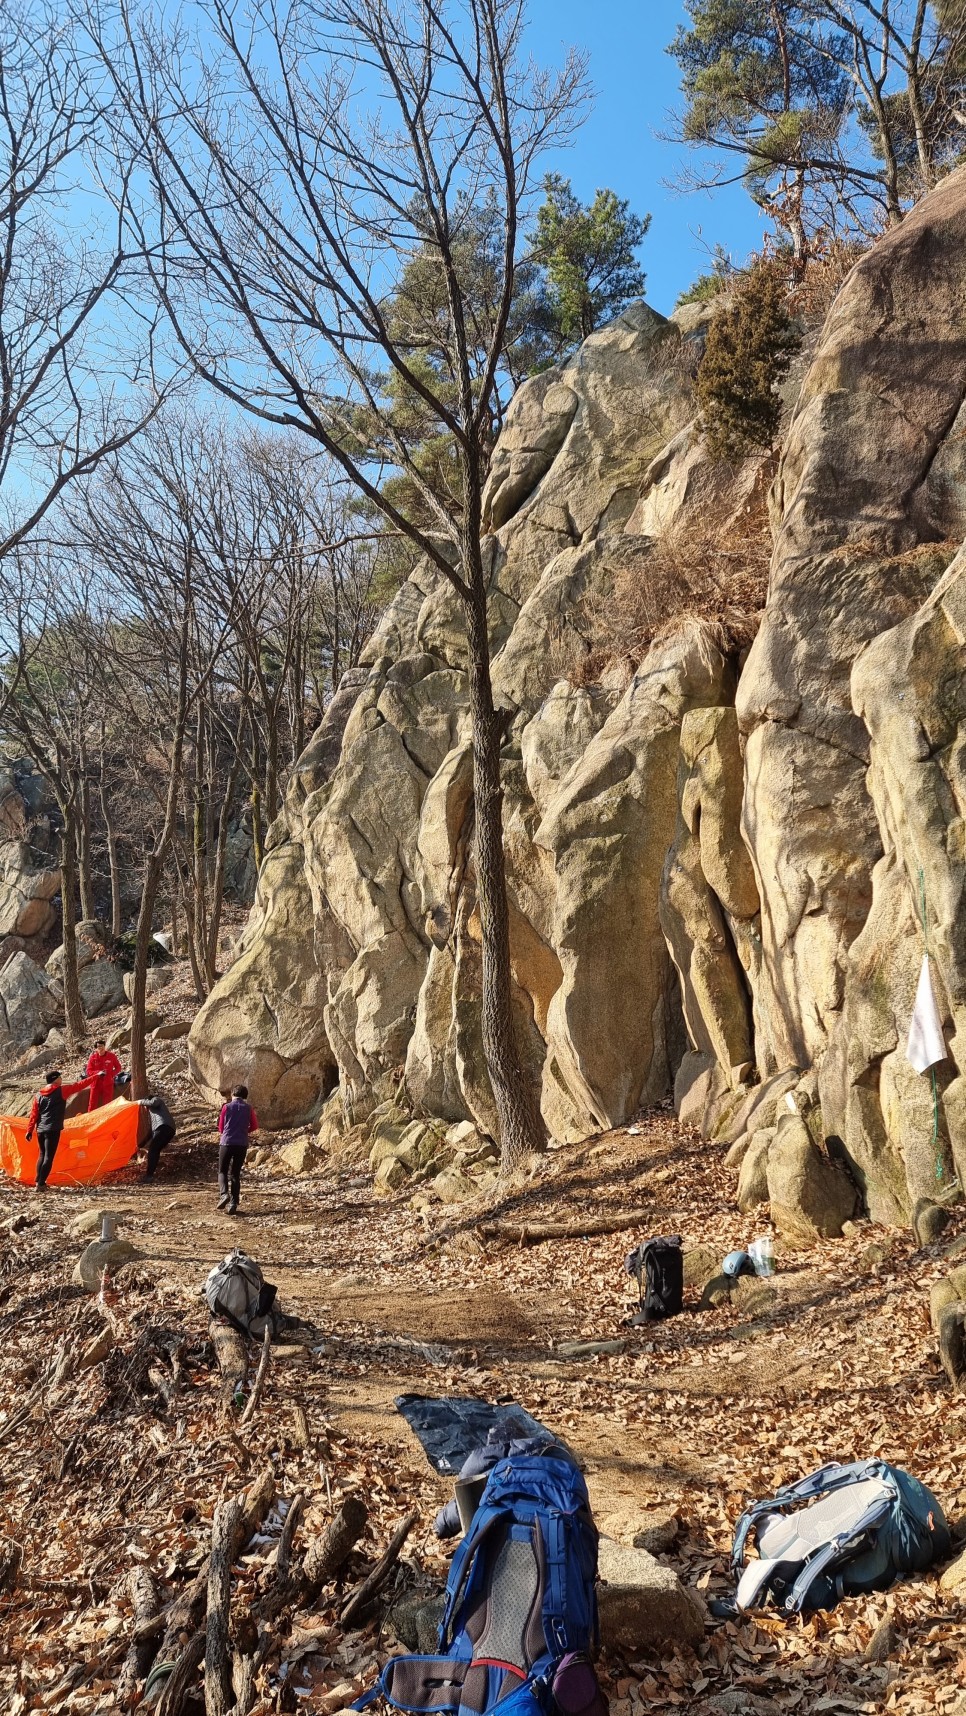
column 636, row 83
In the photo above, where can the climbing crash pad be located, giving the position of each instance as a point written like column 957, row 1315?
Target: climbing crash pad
column 92, row 1146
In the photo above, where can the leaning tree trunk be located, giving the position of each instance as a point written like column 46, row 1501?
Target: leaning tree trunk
column 149, row 889
column 521, row 1129
column 73, row 1010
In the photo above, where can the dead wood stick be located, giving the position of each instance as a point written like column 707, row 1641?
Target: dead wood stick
column 17, row 1418
column 320, row 1563
column 185, row 1612
column 231, row 1352
column 144, row 1596
column 181, row 1678
column 260, row 1376
column 300, row 1433
column 358, row 1598
column 243, row 1680
column 219, row 1696
column 283, row 1558
column 325, row 1556
column 536, row 1232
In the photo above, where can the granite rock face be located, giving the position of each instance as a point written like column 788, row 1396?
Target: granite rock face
column 718, row 862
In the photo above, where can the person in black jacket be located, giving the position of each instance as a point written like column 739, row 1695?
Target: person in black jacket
column 163, row 1129
column 47, row 1119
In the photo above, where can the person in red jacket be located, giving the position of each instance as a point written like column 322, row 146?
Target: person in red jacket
column 47, row 1117
column 102, row 1067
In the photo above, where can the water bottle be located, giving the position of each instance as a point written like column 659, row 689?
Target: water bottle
column 762, row 1254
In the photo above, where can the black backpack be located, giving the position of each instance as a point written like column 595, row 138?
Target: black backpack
column 658, row 1265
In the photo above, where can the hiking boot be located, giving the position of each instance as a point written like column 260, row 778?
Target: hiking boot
column 222, row 1201
column 232, row 1209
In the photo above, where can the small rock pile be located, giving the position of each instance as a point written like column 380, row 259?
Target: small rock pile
column 443, row 1164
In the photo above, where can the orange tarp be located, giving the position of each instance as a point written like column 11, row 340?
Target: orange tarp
column 91, row 1147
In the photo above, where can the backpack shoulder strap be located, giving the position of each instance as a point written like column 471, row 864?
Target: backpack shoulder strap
column 874, row 1514
column 821, row 1483
column 461, row 1566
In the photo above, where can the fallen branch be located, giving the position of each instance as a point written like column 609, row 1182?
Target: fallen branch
column 320, row 1563
column 361, row 1596
column 181, row 1679
column 260, row 1376
column 326, row 1555
column 231, row 1351
column 144, row 1596
column 184, row 1614
column 537, row 1232
column 283, row 1557
column 219, row 1694
column 22, row 1413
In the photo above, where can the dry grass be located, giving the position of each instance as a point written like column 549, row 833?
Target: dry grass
column 699, row 572
column 831, row 264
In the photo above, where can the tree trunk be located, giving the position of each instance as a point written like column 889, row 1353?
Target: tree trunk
column 271, row 765
column 194, row 955
column 521, row 1129
column 218, row 877
column 112, row 858
column 175, row 918
column 85, row 877
column 73, row 1011
column 149, row 889
column 258, row 847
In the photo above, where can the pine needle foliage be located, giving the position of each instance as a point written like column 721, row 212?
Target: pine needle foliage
column 749, row 348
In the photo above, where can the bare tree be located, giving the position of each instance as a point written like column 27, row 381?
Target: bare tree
column 160, row 639
column 48, row 676
column 299, row 159
column 67, row 266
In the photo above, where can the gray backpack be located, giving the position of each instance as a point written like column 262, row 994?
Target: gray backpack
column 237, row 1291
column 842, row 1531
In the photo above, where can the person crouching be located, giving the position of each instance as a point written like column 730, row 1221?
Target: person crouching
column 236, row 1123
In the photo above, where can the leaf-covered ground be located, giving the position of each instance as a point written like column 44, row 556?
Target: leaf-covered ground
column 114, row 1466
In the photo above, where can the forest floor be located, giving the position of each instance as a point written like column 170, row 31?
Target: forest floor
column 833, row 1359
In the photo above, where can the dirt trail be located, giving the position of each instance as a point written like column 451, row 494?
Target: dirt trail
column 832, row 1360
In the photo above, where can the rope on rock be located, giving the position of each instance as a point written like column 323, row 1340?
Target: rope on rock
column 940, row 1165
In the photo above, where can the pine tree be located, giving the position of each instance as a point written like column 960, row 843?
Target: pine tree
column 749, row 348
column 843, row 110
column 588, row 253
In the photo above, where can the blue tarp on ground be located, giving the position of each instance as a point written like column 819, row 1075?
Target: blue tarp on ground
column 449, row 1430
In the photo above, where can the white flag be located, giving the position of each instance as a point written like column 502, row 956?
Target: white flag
column 926, row 1045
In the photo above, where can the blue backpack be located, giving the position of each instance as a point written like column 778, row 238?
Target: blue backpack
column 520, row 1619
column 842, row 1531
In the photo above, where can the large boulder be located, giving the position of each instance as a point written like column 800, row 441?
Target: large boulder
column 870, row 487
column 753, row 1173
column 362, row 959
column 610, row 1027
column 99, row 980
column 811, row 1196
column 29, row 871
column 30, row 1002
column 263, row 1025
column 709, row 899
